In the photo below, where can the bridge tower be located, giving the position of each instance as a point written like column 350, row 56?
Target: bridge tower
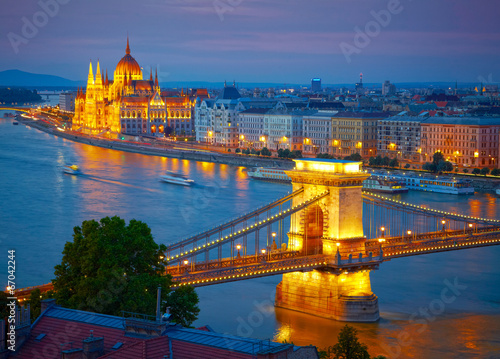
column 332, row 226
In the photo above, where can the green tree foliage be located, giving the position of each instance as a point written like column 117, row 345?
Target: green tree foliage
column 354, row 157
column 183, row 303
column 265, row 152
column 438, row 164
column 465, row 170
column 437, row 157
column 286, row 153
column 35, row 301
column 237, row 150
column 347, row 347
column 485, row 171
column 111, row 267
column 407, row 165
column 476, row 171
column 4, row 310
column 18, row 95
column 495, row 172
column 394, row 163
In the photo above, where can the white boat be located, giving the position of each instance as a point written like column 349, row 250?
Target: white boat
column 383, row 184
column 435, row 184
column 270, row 174
column 71, row 170
column 497, row 191
column 176, row 178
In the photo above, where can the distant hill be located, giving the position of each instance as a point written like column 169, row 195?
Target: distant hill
column 27, row 79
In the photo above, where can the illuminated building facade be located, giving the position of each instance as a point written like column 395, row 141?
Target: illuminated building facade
column 466, row 141
column 399, row 137
column 128, row 104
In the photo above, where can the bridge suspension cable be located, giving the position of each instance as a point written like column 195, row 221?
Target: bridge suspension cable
column 216, row 243
column 232, row 223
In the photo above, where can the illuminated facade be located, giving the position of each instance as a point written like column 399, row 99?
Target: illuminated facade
column 334, row 227
column 128, row 104
column 472, row 141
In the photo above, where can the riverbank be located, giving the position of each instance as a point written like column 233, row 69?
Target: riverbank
column 149, row 149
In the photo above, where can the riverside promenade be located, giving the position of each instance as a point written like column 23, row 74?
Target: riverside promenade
column 171, row 150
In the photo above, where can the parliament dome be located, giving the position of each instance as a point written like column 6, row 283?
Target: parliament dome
column 128, row 66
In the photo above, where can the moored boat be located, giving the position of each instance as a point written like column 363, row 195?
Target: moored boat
column 176, row 178
column 435, row 184
column 383, row 185
column 71, row 170
column 269, row 174
column 497, row 191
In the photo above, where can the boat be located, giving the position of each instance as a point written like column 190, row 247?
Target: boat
column 269, row 174
column 71, row 170
column 497, row 191
column 435, row 184
column 176, row 178
column 383, row 184
column 15, row 123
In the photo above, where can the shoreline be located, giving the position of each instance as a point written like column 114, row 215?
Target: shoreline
column 150, row 150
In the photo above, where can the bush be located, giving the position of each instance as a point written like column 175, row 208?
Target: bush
column 485, row 171
column 495, row 172
column 476, row 171
column 237, row 150
column 465, row 170
column 265, row 152
column 407, row 165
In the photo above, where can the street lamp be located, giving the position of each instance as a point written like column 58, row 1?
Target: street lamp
column 274, row 246
column 238, row 247
column 382, row 229
column 443, row 222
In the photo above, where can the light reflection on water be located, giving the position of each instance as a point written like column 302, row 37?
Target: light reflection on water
column 40, row 205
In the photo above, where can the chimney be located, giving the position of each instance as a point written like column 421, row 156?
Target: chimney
column 158, row 304
column 93, row 347
column 47, row 303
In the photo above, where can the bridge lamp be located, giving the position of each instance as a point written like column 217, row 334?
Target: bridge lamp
column 471, row 225
column 382, row 229
column 238, row 247
column 186, row 262
column 409, row 232
column 263, row 251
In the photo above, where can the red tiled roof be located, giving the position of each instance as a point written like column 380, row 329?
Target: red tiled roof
column 185, row 350
column 155, row 348
column 59, row 333
column 441, row 103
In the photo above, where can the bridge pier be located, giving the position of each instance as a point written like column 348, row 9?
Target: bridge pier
column 333, row 227
column 344, row 297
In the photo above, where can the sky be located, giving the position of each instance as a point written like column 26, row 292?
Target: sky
column 278, row 41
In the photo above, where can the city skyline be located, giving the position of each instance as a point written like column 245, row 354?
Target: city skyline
column 281, row 42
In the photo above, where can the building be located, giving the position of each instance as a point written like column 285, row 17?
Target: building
column 129, row 104
column 355, row 132
column 399, row 137
column 465, row 141
column 388, row 89
column 74, row 334
column 316, row 85
column 317, row 132
column 67, row 101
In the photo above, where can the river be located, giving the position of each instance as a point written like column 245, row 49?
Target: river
column 39, row 206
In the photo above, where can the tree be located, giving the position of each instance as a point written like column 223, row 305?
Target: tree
column 407, row 165
column 465, row 170
column 495, row 172
column 348, row 346
column 111, row 267
column 237, row 150
column 394, row 163
column 485, row 171
column 35, row 301
column 385, row 161
column 4, row 309
column 354, row 157
column 183, row 303
column 476, row 171
column 437, row 157
column 444, row 166
column 265, row 152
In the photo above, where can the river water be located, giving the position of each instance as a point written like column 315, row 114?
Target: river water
column 39, row 206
